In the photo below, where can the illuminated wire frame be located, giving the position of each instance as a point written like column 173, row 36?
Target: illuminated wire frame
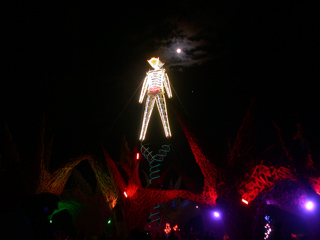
column 155, row 163
column 154, row 86
column 268, row 231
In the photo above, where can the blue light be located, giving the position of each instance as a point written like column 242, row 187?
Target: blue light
column 216, row 214
column 309, row 205
column 267, row 218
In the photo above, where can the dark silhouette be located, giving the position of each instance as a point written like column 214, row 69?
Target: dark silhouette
column 30, row 220
column 172, row 236
column 206, row 236
column 136, row 234
column 159, row 237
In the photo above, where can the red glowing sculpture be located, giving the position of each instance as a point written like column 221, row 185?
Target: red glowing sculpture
column 261, row 179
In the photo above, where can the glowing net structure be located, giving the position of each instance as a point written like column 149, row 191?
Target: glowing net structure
column 154, row 86
column 261, row 179
column 106, row 182
column 209, row 170
column 56, row 181
column 315, row 184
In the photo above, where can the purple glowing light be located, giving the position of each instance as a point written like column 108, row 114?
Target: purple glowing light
column 309, row 205
column 216, row 214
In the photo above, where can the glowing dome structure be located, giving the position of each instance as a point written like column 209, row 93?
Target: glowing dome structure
column 154, row 86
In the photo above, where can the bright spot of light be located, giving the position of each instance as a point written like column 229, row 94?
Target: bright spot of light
column 178, row 50
column 125, row 194
column 176, row 228
column 309, row 205
column 216, row 214
column 244, row 201
column 167, row 230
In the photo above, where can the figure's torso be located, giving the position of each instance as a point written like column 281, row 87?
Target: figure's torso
column 155, row 81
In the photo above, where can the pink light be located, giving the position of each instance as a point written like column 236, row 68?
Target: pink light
column 138, row 156
column 244, row 201
column 175, row 228
column 309, row 205
column 216, row 214
column 167, row 230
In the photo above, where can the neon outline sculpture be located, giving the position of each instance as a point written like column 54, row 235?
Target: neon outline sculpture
column 153, row 159
column 157, row 158
column 154, row 85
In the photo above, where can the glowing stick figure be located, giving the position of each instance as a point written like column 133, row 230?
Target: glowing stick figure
column 154, row 85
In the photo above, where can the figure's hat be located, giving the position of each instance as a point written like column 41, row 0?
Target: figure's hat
column 155, row 62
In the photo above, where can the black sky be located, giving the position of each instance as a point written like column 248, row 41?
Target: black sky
column 81, row 63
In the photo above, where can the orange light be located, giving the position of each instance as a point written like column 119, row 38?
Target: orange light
column 167, row 230
column 175, row 228
column 244, row 201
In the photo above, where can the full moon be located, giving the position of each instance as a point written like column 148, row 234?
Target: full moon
column 178, row 50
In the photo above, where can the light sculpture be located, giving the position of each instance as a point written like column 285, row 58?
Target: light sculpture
column 154, row 86
column 154, row 163
column 176, row 228
column 268, row 231
column 167, row 230
column 268, row 227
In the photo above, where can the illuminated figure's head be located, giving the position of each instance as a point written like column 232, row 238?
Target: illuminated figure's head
column 155, row 63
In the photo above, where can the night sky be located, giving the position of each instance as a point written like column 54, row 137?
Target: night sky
column 81, row 65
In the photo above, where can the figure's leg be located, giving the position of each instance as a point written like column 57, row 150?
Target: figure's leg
column 146, row 116
column 162, row 108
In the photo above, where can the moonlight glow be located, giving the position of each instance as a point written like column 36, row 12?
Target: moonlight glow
column 178, row 50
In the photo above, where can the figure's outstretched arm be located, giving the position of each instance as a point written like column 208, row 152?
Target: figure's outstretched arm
column 144, row 89
column 167, row 85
